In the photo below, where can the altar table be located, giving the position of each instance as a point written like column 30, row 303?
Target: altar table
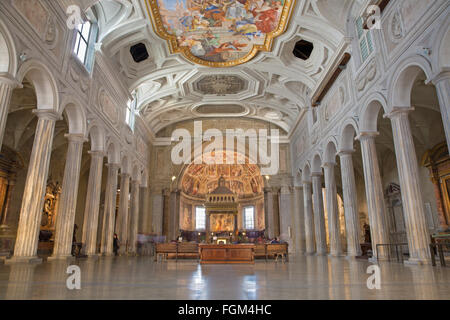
column 227, row 253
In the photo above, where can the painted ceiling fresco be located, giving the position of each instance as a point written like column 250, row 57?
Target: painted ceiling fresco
column 219, row 33
column 243, row 179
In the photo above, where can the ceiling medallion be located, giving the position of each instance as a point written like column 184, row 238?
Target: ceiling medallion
column 219, row 33
column 220, row 84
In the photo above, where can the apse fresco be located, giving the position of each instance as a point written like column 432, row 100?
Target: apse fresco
column 220, row 32
column 242, row 179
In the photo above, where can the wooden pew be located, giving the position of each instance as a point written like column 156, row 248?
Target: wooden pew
column 187, row 248
column 278, row 250
column 164, row 249
column 261, row 251
column 267, row 251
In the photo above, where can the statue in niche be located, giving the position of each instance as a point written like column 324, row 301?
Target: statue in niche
column 49, row 211
column 47, row 214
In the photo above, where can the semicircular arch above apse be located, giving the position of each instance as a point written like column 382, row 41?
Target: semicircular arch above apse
column 242, row 177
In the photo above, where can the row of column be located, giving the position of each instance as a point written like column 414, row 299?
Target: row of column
column 33, row 199
column 413, row 207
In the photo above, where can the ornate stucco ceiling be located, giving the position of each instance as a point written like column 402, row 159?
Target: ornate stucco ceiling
column 274, row 86
column 220, row 84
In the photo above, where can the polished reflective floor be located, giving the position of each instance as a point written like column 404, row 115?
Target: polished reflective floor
column 301, row 278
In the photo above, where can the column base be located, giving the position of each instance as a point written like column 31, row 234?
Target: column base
column 350, row 257
column 310, row 253
column 416, row 262
column 106, row 254
column 93, row 256
column 61, row 258
column 14, row 260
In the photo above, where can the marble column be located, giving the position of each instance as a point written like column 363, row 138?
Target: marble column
column 442, row 83
column 134, row 217
column 7, row 85
column 122, row 224
column 266, row 212
column 299, row 220
column 285, row 215
column 374, row 193
column 276, row 212
column 65, row 218
column 91, row 211
column 309, row 218
column 332, row 209
column 166, row 214
column 410, row 186
column 174, row 215
column 109, row 214
column 144, row 217
column 350, row 204
column 157, row 212
column 270, row 215
column 319, row 219
column 33, row 195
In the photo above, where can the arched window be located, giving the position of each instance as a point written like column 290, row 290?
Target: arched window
column 84, row 44
column 364, row 39
column 131, row 112
column 249, row 218
column 200, row 218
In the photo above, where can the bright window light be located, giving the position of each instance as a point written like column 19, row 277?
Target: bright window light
column 200, row 218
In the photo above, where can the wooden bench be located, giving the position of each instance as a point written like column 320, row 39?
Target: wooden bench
column 163, row 249
column 275, row 250
column 185, row 248
column 278, row 250
column 261, row 251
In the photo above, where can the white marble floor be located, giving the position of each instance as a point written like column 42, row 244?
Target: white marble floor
column 301, row 278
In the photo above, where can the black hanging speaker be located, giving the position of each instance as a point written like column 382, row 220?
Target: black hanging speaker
column 303, row 49
column 139, row 52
